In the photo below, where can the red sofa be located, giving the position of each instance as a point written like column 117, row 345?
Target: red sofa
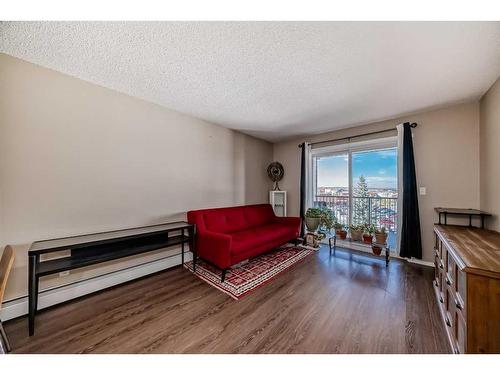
column 226, row 236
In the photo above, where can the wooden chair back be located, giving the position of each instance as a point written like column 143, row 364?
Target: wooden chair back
column 6, row 264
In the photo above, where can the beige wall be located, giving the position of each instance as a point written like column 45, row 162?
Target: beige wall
column 446, row 146
column 490, row 154
column 78, row 158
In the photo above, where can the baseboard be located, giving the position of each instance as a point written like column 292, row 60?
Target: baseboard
column 19, row 306
column 421, row 262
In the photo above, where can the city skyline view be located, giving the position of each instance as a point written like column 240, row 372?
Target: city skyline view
column 379, row 167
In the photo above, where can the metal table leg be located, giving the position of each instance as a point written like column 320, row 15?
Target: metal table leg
column 182, row 247
column 33, row 281
column 334, row 248
column 192, row 247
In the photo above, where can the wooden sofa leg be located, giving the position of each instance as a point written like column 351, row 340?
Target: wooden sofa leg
column 223, row 277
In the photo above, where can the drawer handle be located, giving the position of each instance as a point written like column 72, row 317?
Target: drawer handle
column 448, row 281
column 441, row 266
column 441, row 299
column 458, row 305
column 448, row 323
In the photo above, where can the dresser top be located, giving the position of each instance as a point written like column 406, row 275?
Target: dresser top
column 478, row 249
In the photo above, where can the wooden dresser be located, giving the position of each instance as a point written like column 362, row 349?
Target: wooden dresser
column 467, row 285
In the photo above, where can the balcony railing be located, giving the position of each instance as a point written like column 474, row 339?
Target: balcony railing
column 380, row 211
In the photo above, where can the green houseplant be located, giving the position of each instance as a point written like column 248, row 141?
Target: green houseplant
column 369, row 229
column 327, row 219
column 356, row 232
column 322, row 218
column 381, row 236
column 313, row 218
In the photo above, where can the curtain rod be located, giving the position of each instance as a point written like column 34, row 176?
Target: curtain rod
column 412, row 125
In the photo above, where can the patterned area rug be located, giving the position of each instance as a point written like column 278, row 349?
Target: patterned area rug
column 247, row 277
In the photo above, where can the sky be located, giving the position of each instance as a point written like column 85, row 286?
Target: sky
column 379, row 168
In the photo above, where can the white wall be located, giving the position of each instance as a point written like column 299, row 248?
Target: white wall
column 490, row 155
column 78, row 158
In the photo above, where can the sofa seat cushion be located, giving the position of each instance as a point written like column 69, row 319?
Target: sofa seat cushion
column 252, row 238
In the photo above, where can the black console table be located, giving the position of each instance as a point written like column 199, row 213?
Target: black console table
column 89, row 249
column 470, row 212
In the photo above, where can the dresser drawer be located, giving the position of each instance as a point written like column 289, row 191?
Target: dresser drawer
column 461, row 332
column 454, row 325
column 438, row 247
column 461, row 292
column 451, row 268
column 436, row 271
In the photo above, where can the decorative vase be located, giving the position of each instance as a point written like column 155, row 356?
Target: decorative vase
column 312, row 223
column 381, row 238
column 367, row 238
column 377, row 250
column 357, row 234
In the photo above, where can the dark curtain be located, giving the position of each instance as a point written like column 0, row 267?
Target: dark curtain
column 302, row 185
column 411, row 242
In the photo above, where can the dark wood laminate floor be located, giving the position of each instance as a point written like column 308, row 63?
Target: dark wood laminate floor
column 344, row 304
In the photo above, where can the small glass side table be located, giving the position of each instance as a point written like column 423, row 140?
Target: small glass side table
column 332, row 244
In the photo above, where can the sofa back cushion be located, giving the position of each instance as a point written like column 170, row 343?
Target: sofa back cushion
column 232, row 219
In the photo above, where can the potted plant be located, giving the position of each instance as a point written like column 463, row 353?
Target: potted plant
column 327, row 221
column 368, row 233
column 381, row 236
column 340, row 231
column 377, row 249
column 313, row 218
column 356, row 232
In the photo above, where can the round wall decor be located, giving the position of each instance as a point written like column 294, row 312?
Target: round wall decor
column 275, row 171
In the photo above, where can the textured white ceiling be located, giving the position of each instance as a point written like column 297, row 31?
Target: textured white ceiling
column 272, row 79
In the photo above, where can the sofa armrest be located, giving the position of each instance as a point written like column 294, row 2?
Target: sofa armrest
column 289, row 221
column 214, row 247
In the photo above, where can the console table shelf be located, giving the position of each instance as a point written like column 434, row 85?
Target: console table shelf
column 115, row 251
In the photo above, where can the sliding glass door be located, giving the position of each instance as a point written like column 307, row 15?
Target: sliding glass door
column 359, row 183
column 332, row 185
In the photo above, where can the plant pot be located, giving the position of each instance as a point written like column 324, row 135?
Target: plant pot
column 357, row 235
column 367, row 238
column 377, row 250
column 342, row 234
column 312, row 223
column 381, row 238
